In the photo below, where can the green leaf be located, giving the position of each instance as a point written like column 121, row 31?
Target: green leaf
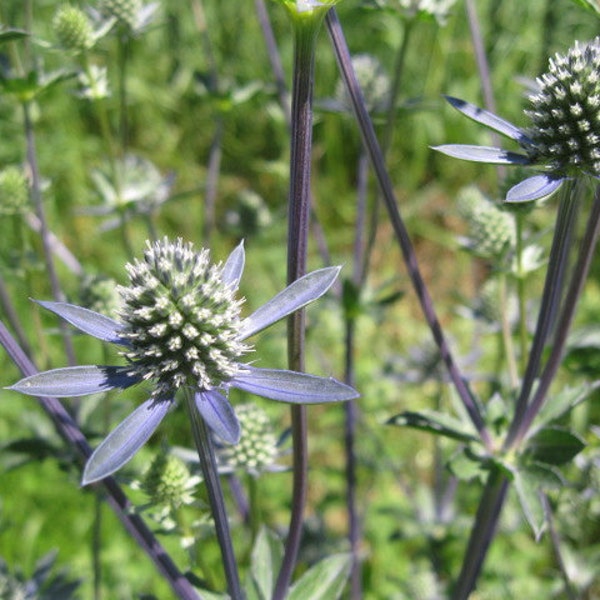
column 560, row 404
column 9, row 34
column 530, row 481
column 467, row 466
column 266, row 561
column 436, row 423
column 323, row 581
column 591, row 5
column 554, row 446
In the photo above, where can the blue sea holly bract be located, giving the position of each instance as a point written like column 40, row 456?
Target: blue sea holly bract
column 180, row 327
column 563, row 139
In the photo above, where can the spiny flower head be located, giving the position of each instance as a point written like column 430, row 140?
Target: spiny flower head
column 374, row 83
column 180, row 327
column 168, row 481
column 256, row 450
column 492, row 232
column 565, row 113
column 563, row 140
column 182, row 321
column 14, row 193
column 73, row 28
column 100, row 294
column 125, row 11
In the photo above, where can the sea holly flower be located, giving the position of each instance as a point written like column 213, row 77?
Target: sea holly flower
column 180, row 327
column 563, row 138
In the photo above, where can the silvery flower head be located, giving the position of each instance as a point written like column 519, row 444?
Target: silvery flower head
column 180, row 327
column 564, row 136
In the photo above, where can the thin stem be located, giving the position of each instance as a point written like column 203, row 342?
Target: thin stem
column 274, row 58
column 509, row 351
column 570, row 592
column 578, row 279
column 521, row 291
column 482, row 533
column 120, row 504
column 372, row 145
column 305, row 27
column 212, row 481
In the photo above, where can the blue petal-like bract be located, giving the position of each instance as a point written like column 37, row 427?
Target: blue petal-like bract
column 534, row 188
column 90, row 322
column 483, row 154
column 218, row 415
column 296, row 295
column 76, row 381
column 234, row 266
column 293, row 387
column 125, row 440
column 490, row 120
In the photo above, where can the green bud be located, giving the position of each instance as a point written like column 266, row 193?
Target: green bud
column 99, row 293
column 125, row 11
column 492, row 233
column 14, row 194
column 167, row 481
column 257, row 449
column 73, row 29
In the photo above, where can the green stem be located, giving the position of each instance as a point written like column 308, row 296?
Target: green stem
column 212, row 481
column 521, row 291
column 509, row 351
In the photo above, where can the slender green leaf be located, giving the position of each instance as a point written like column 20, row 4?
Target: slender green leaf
column 266, row 560
column 436, row 423
column 324, row 581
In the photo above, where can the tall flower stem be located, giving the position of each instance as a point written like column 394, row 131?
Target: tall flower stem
column 496, row 488
column 118, row 501
column 306, row 24
column 372, row 145
column 212, row 481
column 578, row 279
column 551, row 296
column 482, row 533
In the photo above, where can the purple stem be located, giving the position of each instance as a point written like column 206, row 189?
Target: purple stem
column 116, row 498
column 374, row 150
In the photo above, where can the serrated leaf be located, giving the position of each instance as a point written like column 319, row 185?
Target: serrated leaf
column 436, row 423
column 530, row 482
column 554, row 446
column 266, row 561
column 323, row 581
